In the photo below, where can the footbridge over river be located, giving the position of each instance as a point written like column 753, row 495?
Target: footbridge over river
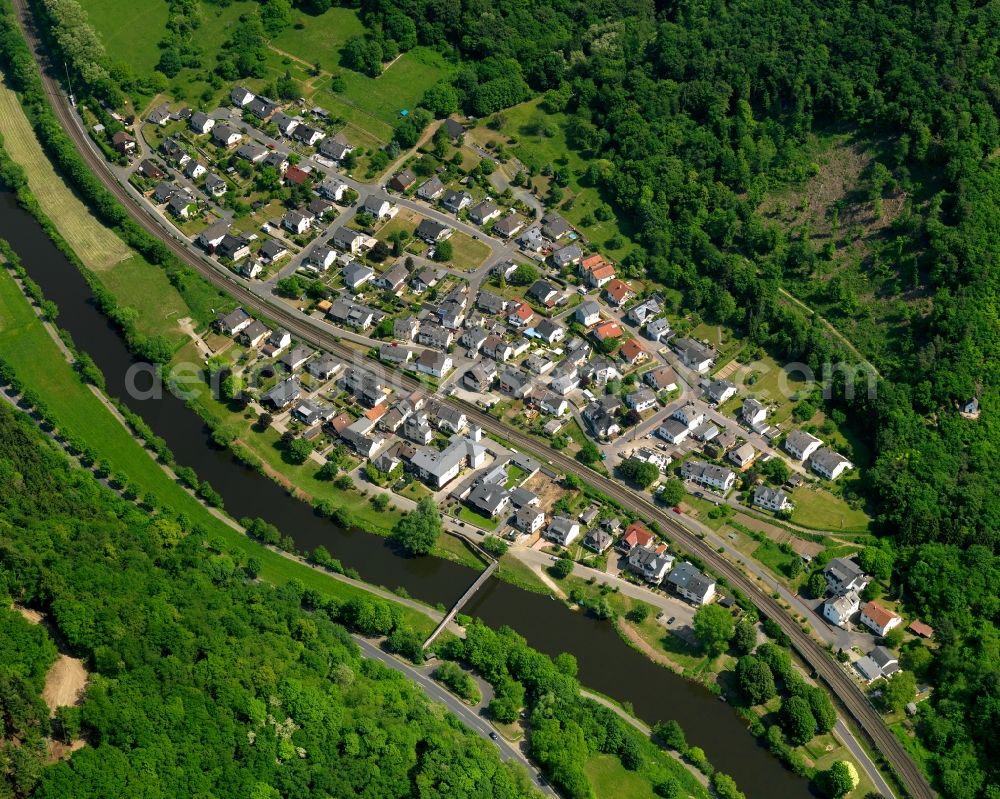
column 463, row 601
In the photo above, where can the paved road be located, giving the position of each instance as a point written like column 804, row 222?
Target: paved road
column 468, row 715
column 851, row 697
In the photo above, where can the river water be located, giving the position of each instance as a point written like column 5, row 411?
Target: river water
column 606, row 664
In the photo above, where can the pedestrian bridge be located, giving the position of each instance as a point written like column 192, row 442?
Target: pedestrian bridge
column 463, row 601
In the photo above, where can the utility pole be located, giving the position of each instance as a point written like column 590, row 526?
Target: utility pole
column 69, row 82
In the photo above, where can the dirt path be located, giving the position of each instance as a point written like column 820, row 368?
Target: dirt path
column 640, row 643
column 65, row 683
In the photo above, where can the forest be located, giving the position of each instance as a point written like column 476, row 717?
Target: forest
column 689, row 114
column 205, row 682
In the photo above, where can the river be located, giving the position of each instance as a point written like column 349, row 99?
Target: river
column 606, row 663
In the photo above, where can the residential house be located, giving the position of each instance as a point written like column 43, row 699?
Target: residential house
column 600, row 371
column 172, row 150
column 348, row 240
column 276, row 343
column 843, row 575
column 285, row 123
column 252, row 152
column 879, row 619
column 393, row 279
column 449, row 419
column 253, row 335
column 618, row 292
column 123, row 143
column 261, row 107
column 641, row 400
column 529, row 519
column 417, row 428
column 549, row 332
column 608, row 331
column 335, row 148
column 567, row 256
column 565, row 381
column 394, row 354
column 377, row 207
column 602, row 274
column 801, row 445
column 321, row 256
column 225, row 136
column 306, row 134
column 159, row 115
column 356, row 274
column 149, row 170
column 771, row 498
column 240, row 96
column 708, row 474
column 480, row 377
column 297, row 222
column 692, row 584
column 661, row 379
column 554, row 227
column 273, row 250
column 643, row 311
column 743, row 456
column 402, row 180
column 719, row 391
column 297, row 175
column 456, row 201
column 453, row 129
column 194, row 169
column 283, row 394
column 601, row 420
column 632, row 352
column 296, row 357
column 484, row 212
column 520, row 314
column 508, row 226
column 215, row 185
column 212, row 236
column 878, row 663
column 439, row 467
column 548, row 401
column 673, row 431
column 405, row 328
column 356, row 436
column 588, row 313
column 164, row 191
column 352, row 314
column 432, row 232
column 531, row 240
column 426, row 278
column 650, row 564
column 473, row 340
column 432, row 334
column 689, row 415
column 753, row 412
column 515, row 382
column 436, row 364
column 182, row 204
column 543, row 292
column 598, row 541
column 233, row 322
column 694, row 354
column 489, row 499
column 829, row 464
column 333, row 188
column 235, row 248
column 430, row 189
column 562, row 531
column 251, row 269
column 657, row 329
column 840, row 609
column 658, row 459
column 309, row 412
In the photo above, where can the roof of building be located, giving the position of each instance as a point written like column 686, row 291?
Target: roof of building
column 686, row 576
column 878, row 614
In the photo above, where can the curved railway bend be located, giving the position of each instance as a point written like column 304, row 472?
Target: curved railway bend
column 850, row 696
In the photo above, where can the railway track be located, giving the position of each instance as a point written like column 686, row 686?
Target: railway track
column 851, row 698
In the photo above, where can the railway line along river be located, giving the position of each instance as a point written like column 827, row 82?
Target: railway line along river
column 606, row 663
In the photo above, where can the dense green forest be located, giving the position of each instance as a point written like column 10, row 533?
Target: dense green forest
column 690, row 114
column 204, row 682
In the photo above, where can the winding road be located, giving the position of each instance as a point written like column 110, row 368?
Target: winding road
column 851, row 698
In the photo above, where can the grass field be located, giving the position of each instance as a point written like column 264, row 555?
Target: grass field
column 322, row 37
column 41, row 366
column 822, row 510
column 97, row 246
column 134, row 282
column 123, row 25
column 610, row 779
column 467, row 253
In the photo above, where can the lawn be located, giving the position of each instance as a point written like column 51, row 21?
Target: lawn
column 770, row 384
column 124, row 25
column 610, row 778
column 776, row 559
column 145, row 288
column 322, row 37
column 98, row 247
column 401, row 86
column 469, row 516
column 821, row 510
column 468, row 254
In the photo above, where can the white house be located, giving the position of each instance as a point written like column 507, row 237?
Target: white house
column 753, row 412
column 771, row 498
column 800, row 445
column 649, row 564
column 829, row 464
column 562, row 531
column 691, row 584
column 689, row 415
column 839, row 610
column 588, row 313
column 529, row 519
column 878, row 619
column 843, row 575
column 708, row 474
column 377, row 207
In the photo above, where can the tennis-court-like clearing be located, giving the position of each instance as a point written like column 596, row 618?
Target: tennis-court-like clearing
column 98, row 247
